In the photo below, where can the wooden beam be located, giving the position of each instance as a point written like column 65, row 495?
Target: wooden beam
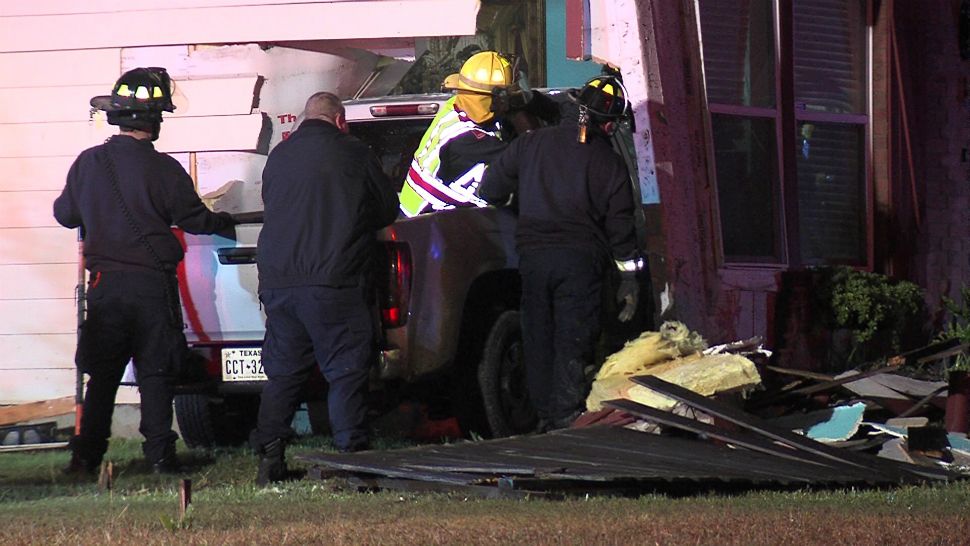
column 10, row 415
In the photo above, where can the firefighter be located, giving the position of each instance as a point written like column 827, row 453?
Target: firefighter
column 466, row 135
column 575, row 219
column 325, row 197
column 125, row 196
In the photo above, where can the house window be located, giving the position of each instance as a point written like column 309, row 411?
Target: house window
column 801, row 65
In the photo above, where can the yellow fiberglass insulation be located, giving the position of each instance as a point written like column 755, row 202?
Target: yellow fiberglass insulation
column 673, row 354
column 672, row 341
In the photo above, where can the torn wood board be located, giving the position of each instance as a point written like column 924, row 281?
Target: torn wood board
column 706, row 375
column 829, row 425
column 21, row 413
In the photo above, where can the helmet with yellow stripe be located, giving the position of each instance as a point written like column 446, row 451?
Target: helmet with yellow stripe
column 605, row 97
column 138, row 99
column 140, row 89
column 482, row 73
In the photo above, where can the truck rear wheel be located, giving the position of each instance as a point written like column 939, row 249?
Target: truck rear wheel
column 208, row 422
column 501, row 379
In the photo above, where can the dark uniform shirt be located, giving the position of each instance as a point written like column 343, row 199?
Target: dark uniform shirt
column 157, row 192
column 569, row 194
column 324, row 197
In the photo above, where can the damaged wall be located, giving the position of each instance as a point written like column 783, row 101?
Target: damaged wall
column 234, row 103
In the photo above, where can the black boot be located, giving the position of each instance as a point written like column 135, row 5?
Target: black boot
column 167, row 463
column 81, row 465
column 272, row 467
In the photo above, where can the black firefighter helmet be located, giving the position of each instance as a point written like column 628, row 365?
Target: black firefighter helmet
column 605, row 97
column 601, row 100
column 138, row 99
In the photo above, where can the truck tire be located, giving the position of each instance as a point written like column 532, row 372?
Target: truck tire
column 195, row 420
column 208, row 422
column 501, row 379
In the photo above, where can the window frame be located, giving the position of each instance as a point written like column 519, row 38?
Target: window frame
column 786, row 118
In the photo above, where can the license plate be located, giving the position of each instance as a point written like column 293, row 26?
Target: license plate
column 242, row 364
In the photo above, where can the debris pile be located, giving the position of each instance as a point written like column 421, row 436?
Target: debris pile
column 667, row 413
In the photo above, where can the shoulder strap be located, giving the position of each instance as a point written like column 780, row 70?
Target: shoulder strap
column 113, row 181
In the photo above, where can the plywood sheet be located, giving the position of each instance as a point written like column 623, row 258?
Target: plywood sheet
column 77, row 67
column 37, row 281
column 22, row 209
column 178, row 135
column 18, row 317
column 20, row 413
column 208, row 97
column 251, row 23
column 34, row 173
column 37, row 351
column 37, row 245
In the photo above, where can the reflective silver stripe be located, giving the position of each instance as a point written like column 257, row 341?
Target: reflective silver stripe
column 467, row 183
column 630, row 266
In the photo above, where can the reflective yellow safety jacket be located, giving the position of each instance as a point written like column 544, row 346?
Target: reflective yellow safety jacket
column 423, row 190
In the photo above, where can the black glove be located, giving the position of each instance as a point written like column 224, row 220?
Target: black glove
column 628, row 292
column 520, row 94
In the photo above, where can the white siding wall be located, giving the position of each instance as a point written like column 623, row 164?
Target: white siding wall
column 233, row 104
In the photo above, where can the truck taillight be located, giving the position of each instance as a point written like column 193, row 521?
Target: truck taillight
column 391, row 110
column 394, row 301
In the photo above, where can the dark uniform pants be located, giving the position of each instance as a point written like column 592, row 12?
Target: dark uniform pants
column 332, row 328
column 561, row 291
column 131, row 315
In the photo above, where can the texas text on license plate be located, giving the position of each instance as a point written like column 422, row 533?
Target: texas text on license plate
column 242, row 364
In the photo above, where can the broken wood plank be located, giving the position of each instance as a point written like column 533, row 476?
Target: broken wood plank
column 20, row 413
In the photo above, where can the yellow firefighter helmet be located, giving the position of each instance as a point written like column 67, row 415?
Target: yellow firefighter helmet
column 481, row 73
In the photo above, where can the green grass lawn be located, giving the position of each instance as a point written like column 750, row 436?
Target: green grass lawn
column 39, row 506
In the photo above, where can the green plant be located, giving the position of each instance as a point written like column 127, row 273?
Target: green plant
column 958, row 327
column 183, row 522
column 871, row 306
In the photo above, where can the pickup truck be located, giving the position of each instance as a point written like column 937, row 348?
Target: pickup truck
column 449, row 301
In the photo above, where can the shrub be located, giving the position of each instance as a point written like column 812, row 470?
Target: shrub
column 879, row 312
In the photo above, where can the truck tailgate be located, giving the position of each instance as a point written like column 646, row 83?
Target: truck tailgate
column 219, row 288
